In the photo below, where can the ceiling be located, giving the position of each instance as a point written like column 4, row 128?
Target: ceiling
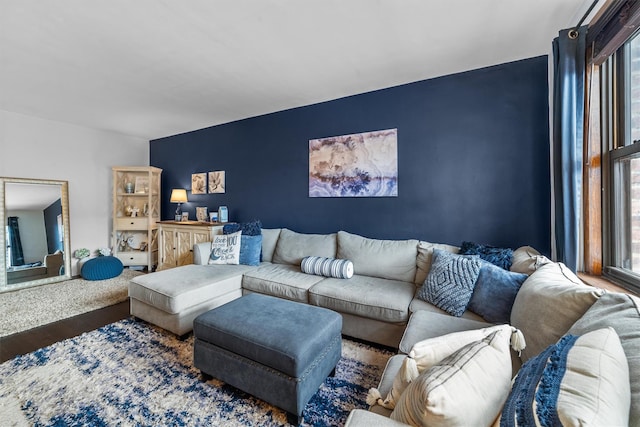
column 29, row 196
column 154, row 68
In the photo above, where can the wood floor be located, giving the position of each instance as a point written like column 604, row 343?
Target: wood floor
column 42, row 336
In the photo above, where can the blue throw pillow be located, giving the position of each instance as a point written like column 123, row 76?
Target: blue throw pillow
column 450, row 282
column 502, row 257
column 495, row 292
column 250, row 249
column 250, row 241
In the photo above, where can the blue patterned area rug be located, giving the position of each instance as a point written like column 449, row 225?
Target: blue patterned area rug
column 130, row 373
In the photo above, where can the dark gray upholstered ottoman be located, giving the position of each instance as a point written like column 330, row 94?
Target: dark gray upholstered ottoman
column 277, row 350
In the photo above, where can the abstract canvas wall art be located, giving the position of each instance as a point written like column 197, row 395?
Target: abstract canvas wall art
column 357, row 165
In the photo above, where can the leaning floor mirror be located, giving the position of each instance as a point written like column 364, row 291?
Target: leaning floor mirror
column 35, row 234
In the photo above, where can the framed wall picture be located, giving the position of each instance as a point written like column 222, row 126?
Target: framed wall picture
column 356, row 165
column 142, row 184
column 199, row 183
column 216, row 182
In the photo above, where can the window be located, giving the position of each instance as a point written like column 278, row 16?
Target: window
column 622, row 85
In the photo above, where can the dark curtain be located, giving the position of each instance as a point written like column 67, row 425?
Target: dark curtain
column 17, row 257
column 567, row 142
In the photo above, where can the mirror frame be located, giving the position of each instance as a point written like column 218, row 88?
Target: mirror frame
column 64, row 201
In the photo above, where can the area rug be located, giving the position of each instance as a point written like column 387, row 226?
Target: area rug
column 28, row 308
column 130, row 373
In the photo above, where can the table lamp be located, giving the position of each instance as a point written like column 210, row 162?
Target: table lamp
column 179, row 196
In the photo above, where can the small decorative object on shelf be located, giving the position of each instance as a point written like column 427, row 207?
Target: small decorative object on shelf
column 81, row 253
column 223, row 214
column 103, row 251
column 128, row 187
column 201, row 214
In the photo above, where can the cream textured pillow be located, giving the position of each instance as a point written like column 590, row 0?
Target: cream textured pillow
column 427, row 353
column 622, row 313
column 225, row 249
column 579, row 381
column 467, row 388
column 548, row 303
column 527, row 260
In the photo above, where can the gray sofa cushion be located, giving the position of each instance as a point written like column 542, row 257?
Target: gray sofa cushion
column 280, row 280
column 197, row 284
column 417, row 304
column 622, row 313
column 292, row 246
column 548, row 304
column 269, row 240
column 364, row 296
column 427, row 324
column 389, row 259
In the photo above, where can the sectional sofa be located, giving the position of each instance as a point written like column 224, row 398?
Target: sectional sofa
column 380, row 304
column 375, row 303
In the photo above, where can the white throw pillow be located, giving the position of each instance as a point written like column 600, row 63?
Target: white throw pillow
column 427, row 353
column 468, row 388
column 225, row 249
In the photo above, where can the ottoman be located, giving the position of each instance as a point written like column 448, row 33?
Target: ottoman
column 278, row 350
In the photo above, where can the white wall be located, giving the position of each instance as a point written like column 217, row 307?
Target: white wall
column 31, row 147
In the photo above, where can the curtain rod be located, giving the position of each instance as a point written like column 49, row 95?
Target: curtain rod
column 574, row 31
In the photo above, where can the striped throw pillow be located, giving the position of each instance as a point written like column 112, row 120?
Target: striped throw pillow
column 328, row 267
column 467, row 388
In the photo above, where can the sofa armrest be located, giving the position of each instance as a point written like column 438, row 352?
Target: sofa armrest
column 201, row 252
column 362, row 418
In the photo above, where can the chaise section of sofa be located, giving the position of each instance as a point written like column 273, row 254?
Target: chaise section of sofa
column 551, row 303
column 173, row 298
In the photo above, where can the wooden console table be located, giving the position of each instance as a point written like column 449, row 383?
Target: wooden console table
column 178, row 237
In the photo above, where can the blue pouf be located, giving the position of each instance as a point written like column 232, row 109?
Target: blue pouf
column 102, row 267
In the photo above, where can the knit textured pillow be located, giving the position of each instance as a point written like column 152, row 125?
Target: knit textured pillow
column 328, row 267
column 502, row 257
column 450, row 282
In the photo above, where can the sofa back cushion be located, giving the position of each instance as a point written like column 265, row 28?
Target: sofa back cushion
column 269, row 240
column 292, row 247
column 388, row 259
column 527, row 260
column 548, row 304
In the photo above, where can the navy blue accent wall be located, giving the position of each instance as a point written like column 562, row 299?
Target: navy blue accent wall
column 473, row 161
column 54, row 239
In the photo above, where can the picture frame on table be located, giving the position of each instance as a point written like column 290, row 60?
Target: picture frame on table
column 142, row 185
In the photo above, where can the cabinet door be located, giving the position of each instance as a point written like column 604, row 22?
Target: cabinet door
column 201, row 236
column 184, row 248
column 168, row 255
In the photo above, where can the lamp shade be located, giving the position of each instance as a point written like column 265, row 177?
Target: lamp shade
column 178, row 195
